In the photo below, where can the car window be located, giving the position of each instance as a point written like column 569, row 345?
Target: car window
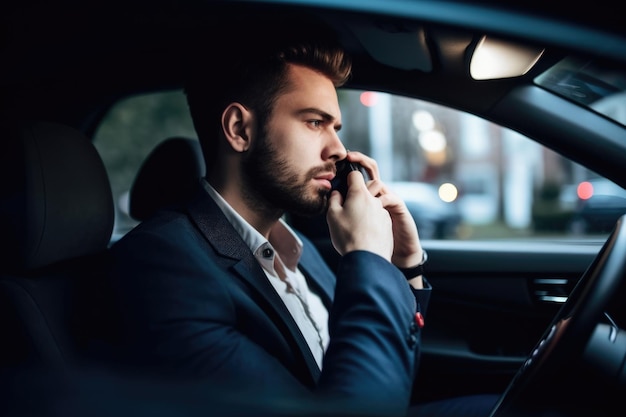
column 127, row 134
column 462, row 177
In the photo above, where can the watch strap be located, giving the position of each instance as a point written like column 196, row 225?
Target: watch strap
column 417, row 270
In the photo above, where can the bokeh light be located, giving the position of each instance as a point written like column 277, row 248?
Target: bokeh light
column 423, row 120
column 584, row 190
column 369, row 98
column 432, row 141
column 448, row 192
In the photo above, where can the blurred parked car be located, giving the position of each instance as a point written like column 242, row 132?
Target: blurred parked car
column 595, row 204
column 435, row 218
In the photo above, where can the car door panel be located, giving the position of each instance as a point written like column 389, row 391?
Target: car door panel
column 491, row 303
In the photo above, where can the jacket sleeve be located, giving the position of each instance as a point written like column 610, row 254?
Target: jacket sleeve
column 374, row 337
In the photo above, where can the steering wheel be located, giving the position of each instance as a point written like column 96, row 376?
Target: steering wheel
column 577, row 366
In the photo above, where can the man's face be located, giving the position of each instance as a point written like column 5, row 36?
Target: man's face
column 292, row 160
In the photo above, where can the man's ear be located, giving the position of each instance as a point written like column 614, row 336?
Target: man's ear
column 238, row 125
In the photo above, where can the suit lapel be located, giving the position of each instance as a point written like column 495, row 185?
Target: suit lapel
column 236, row 255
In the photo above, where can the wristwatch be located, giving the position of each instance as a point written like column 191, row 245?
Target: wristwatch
column 417, row 270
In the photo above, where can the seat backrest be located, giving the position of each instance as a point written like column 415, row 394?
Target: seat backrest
column 56, row 219
column 168, row 176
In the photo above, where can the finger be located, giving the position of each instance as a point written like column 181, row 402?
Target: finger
column 378, row 188
column 355, row 179
column 335, row 200
column 368, row 163
column 391, row 200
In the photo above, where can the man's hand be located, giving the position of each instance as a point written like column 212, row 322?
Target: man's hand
column 407, row 250
column 360, row 222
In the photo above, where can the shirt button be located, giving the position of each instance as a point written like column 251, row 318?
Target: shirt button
column 267, row 253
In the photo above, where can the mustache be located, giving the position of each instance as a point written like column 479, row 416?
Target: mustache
column 330, row 166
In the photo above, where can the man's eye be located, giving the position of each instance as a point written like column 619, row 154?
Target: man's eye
column 316, row 123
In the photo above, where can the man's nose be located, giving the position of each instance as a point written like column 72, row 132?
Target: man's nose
column 335, row 148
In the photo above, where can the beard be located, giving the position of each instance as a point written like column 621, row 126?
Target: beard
column 273, row 185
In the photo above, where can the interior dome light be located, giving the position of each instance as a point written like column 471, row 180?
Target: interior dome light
column 494, row 59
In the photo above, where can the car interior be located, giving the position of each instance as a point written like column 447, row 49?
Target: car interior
column 497, row 304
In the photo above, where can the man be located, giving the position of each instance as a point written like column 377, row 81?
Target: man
column 223, row 289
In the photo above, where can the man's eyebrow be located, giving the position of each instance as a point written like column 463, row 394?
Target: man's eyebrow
column 324, row 115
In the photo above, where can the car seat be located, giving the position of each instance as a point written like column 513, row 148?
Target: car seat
column 168, row 176
column 56, row 218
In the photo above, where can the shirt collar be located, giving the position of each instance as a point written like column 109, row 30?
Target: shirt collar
column 282, row 238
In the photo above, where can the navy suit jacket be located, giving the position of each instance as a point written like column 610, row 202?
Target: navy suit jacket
column 195, row 302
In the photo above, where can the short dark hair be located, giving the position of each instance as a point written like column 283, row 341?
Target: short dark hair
column 256, row 76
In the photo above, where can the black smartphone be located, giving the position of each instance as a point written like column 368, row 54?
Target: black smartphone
column 344, row 167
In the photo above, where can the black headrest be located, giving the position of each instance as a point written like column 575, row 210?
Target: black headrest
column 55, row 197
column 167, row 177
